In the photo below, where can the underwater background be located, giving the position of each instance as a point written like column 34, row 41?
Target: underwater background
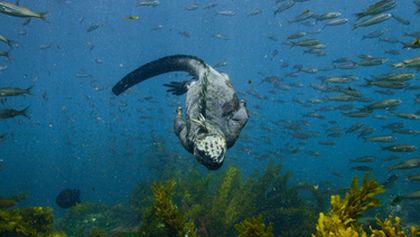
column 79, row 135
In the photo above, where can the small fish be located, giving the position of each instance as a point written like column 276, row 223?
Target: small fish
column 45, row 46
column 11, row 113
column 296, row 35
column 336, row 22
column 221, row 36
column 3, row 68
column 414, row 44
column 192, row 7
column 408, row 164
column 413, row 195
column 363, row 159
column 221, row 64
column 306, row 14
column 413, row 178
column 226, row 13
column 373, row 62
column 407, row 131
column 375, row 34
column 362, row 168
column 401, row 19
column 210, row 5
column 13, row 91
column 327, row 143
column 2, row 139
column 400, row 148
column 376, row 19
column 414, row 34
column 357, row 114
column 327, row 16
column 391, row 40
column 392, row 157
column 395, row 77
column 6, row 40
column 19, row 11
column 410, row 116
column 131, row 18
column 386, row 84
column 185, row 34
column 393, row 126
column 255, row 12
column 148, row 3
column 305, row 43
column 382, row 139
column 93, row 27
column 4, row 54
column 378, row 7
column 409, row 63
column 284, row 6
column 355, row 127
column 346, row 65
column 384, row 104
column 391, row 180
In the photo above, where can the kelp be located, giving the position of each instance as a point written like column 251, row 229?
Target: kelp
column 27, row 222
column 341, row 221
column 254, row 227
column 83, row 218
column 164, row 218
column 215, row 204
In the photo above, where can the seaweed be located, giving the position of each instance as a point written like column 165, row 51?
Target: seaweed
column 164, row 218
column 30, row 221
column 254, row 227
column 344, row 214
column 215, row 204
column 83, row 218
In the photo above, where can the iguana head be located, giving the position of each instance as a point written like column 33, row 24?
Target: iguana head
column 209, row 149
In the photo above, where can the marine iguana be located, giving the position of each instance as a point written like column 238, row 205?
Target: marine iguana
column 214, row 117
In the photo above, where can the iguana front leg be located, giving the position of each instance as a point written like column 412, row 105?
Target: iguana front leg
column 180, row 129
column 236, row 123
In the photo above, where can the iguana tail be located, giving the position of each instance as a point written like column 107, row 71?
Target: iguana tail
column 186, row 63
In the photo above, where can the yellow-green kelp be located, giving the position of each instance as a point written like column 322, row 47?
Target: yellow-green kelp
column 28, row 222
column 254, row 227
column 341, row 221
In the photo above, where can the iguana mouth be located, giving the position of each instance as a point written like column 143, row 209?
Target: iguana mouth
column 209, row 149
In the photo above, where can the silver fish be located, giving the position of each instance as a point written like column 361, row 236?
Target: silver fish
column 408, row 164
column 384, row 104
column 19, row 11
column 13, row 91
column 376, row 19
column 6, row 40
column 400, row 148
column 378, row 7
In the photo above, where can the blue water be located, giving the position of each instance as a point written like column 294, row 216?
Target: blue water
column 82, row 136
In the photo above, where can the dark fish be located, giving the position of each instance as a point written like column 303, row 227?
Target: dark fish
column 6, row 202
column 68, row 198
column 391, row 180
column 284, row 6
column 375, row 34
column 414, row 177
column 93, row 27
column 363, row 159
column 400, row 148
column 362, row 168
column 393, row 52
column 11, row 113
column 401, row 19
